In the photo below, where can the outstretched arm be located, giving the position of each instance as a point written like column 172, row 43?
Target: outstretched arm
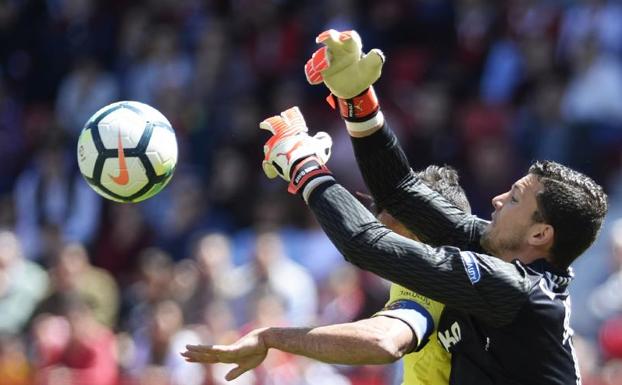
column 377, row 340
column 481, row 285
column 396, row 188
column 349, row 74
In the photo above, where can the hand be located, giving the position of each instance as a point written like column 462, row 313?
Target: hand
column 341, row 64
column 247, row 353
column 291, row 153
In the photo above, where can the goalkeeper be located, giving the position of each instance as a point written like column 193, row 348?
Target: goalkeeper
column 406, row 326
column 504, row 282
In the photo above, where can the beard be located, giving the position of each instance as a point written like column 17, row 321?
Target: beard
column 497, row 244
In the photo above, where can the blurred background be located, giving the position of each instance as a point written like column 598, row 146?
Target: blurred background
column 99, row 293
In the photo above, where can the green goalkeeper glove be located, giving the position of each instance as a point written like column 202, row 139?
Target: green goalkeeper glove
column 347, row 72
column 294, row 155
column 341, row 64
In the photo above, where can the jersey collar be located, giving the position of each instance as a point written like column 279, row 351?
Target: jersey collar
column 561, row 278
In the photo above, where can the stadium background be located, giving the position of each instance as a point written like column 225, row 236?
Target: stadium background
column 484, row 86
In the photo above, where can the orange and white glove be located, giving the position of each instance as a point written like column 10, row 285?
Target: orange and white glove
column 347, row 72
column 294, row 155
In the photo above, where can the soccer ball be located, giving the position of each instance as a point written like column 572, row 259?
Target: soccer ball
column 127, row 151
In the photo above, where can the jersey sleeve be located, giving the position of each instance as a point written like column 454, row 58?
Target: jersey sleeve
column 481, row 285
column 420, row 313
column 396, row 188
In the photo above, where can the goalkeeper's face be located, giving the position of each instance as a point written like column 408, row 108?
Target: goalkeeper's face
column 514, row 228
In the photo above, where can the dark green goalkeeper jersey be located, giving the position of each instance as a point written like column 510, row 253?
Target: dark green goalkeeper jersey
column 504, row 323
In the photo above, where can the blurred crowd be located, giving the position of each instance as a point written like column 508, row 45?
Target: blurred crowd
column 99, row 293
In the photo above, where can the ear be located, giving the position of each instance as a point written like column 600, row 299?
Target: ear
column 541, row 235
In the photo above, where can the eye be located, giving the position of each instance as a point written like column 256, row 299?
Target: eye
column 513, row 199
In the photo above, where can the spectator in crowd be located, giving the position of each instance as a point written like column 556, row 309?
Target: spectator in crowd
column 157, row 345
column 593, row 95
column 208, row 278
column 154, row 284
column 346, row 295
column 124, row 234
column 599, row 19
column 165, row 68
column 180, row 214
column 73, row 348
column 606, row 300
column 23, row 284
column 82, row 92
column 269, row 308
column 73, row 274
column 272, row 271
column 53, row 203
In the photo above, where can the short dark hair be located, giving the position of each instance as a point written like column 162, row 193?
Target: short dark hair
column 445, row 181
column 573, row 204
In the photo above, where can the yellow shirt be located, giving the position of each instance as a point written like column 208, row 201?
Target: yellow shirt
column 429, row 363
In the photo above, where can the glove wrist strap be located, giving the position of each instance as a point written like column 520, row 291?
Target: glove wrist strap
column 305, row 171
column 357, row 109
column 361, row 129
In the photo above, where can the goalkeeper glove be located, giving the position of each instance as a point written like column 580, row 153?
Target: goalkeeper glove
column 294, row 155
column 347, row 72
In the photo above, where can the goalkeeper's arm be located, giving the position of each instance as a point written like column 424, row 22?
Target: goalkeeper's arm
column 484, row 286
column 349, row 74
column 396, row 188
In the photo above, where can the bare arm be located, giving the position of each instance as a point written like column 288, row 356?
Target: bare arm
column 377, row 340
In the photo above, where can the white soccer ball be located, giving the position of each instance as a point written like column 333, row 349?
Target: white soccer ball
column 127, row 151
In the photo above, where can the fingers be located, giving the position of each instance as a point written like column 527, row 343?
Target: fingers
column 319, row 59
column 333, row 38
column 314, row 66
column 294, row 118
column 337, row 47
column 274, row 124
column 373, row 61
column 323, row 139
column 289, row 122
column 210, row 354
column 237, row 372
column 314, row 77
column 269, row 169
column 208, row 349
column 197, row 348
column 200, row 353
column 203, row 358
column 348, row 41
column 324, row 146
column 328, row 34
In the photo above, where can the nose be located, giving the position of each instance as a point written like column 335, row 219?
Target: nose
column 497, row 202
